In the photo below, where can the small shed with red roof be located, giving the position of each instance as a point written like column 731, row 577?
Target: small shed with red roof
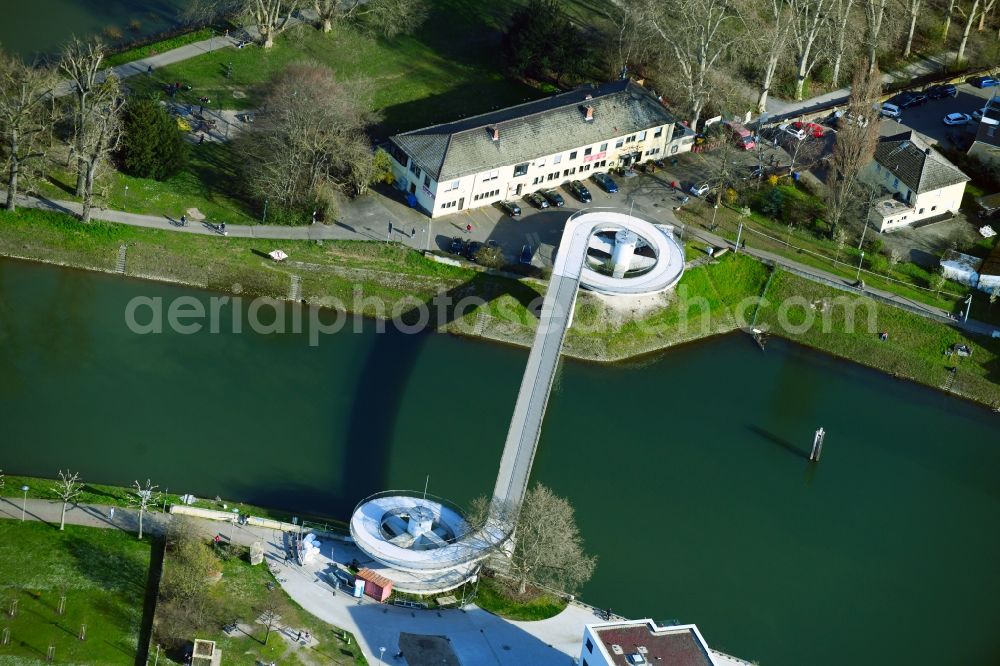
column 377, row 586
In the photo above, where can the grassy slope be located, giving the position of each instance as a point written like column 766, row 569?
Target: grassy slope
column 915, row 348
column 242, row 593
column 103, row 573
column 494, row 597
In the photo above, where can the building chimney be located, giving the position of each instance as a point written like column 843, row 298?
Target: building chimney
column 495, row 133
column 588, row 113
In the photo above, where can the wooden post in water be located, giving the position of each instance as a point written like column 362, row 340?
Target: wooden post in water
column 817, row 449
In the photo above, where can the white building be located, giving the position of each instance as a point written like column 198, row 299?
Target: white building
column 919, row 182
column 638, row 642
column 986, row 145
column 508, row 153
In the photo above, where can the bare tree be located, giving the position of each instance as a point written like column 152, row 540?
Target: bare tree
column 387, row 17
column 67, row 489
column 632, row 38
column 875, row 29
column 99, row 135
column 696, row 35
column 970, row 17
column 808, row 22
column 770, row 21
column 855, row 143
column 987, row 8
column 913, row 12
column 143, row 497
column 842, row 13
column 24, row 117
column 81, row 61
column 269, row 618
column 547, row 549
column 310, row 135
column 947, row 19
column 270, row 17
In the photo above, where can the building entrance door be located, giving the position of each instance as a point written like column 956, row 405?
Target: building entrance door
column 520, row 186
column 413, row 188
column 461, row 203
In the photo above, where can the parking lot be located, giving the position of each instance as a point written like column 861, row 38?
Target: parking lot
column 928, row 118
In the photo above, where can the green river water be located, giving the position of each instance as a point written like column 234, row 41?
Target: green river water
column 688, row 470
column 41, row 27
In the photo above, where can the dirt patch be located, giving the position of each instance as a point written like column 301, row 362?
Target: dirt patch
column 421, row 650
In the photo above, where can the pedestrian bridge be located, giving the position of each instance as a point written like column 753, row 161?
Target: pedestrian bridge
column 590, row 256
column 569, row 273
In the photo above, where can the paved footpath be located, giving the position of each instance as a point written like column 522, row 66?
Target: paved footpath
column 476, row 636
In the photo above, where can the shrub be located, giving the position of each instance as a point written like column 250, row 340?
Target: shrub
column 152, row 146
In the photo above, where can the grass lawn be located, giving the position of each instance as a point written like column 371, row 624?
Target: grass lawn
column 103, row 574
column 495, row 597
column 907, row 279
column 915, row 348
column 241, row 594
column 155, row 48
column 449, row 68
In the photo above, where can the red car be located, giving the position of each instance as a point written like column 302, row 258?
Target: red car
column 812, row 129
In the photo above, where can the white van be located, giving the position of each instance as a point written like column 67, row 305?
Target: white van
column 890, row 110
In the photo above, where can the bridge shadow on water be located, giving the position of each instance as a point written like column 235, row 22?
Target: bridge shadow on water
column 377, row 397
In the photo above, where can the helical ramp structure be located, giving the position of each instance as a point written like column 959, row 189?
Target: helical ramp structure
column 425, row 544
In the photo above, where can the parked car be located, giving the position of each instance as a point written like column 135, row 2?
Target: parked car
column 741, row 135
column 983, row 81
column 536, row 200
column 840, row 119
column 457, row 246
column 942, row 91
column 811, row 129
column 472, row 249
column 957, row 119
column 580, row 191
column 787, row 128
column 553, row 197
column 905, row 100
column 978, row 113
column 700, row 189
column 606, row 183
column 509, row 207
column 526, row 254
column 890, row 110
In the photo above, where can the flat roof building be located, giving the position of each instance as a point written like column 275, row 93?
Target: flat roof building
column 640, row 642
column 510, row 152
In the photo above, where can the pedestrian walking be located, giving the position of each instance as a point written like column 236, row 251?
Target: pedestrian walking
column 149, row 71
column 184, row 220
column 468, row 228
column 314, row 217
column 111, row 514
column 413, row 232
column 299, row 637
column 201, row 138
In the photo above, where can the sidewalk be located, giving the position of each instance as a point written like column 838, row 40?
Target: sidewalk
column 779, row 109
column 476, row 636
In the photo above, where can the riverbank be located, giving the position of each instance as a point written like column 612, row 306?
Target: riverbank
column 389, row 281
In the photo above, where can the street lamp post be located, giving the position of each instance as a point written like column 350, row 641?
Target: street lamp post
column 263, row 220
column 125, row 201
column 381, row 652
column 860, row 261
column 24, row 502
column 968, row 306
column 232, row 527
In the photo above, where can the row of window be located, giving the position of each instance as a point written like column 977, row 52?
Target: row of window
column 486, row 195
column 522, row 169
column 450, row 204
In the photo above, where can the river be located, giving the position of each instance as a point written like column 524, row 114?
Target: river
column 41, row 27
column 688, row 471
